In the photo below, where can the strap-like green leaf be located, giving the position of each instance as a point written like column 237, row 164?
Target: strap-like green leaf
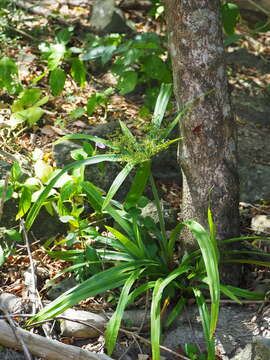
column 97, row 284
column 118, row 181
column 211, row 265
column 96, row 139
column 131, row 248
column 115, row 321
column 138, row 185
column 155, row 307
column 161, row 104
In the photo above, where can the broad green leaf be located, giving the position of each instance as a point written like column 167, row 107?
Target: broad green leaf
column 138, row 185
column 29, row 97
column 14, row 235
column 131, row 248
column 211, row 265
column 8, row 190
column 16, row 171
column 42, row 101
column 113, row 325
column 9, row 79
column 155, row 68
column 63, row 36
column 77, row 113
column 57, row 52
column 76, row 164
column 57, row 81
column 161, row 104
column 33, row 114
column 42, row 170
column 107, row 280
column 78, row 71
column 104, row 52
column 118, row 181
column 25, row 202
column 230, row 15
column 2, row 256
column 127, row 82
column 91, row 104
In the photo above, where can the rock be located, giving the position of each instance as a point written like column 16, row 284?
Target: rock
column 12, row 304
column 9, row 354
column 59, row 288
column 106, row 18
column 73, row 329
column 260, row 223
column 261, row 348
column 170, row 215
column 238, row 335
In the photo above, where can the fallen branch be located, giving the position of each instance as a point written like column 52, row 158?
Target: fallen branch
column 46, row 348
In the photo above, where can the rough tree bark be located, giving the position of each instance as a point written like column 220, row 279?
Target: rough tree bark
column 208, row 152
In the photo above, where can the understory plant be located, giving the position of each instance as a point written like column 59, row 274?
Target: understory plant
column 136, row 254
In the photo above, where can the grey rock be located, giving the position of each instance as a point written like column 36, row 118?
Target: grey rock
column 239, row 334
column 9, row 354
column 95, row 324
column 260, row 223
column 261, row 348
column 170, row 215
column 107, row 18
column 59, row 288
column 12, row 304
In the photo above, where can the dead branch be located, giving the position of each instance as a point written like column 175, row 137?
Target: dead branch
column 46, row 348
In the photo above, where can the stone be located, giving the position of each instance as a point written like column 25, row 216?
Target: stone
column 261, row 223
column 106, row 18
column 96, row 324
column 238, row 335
column 59, row 288
column 170, row 215
column 261, row 348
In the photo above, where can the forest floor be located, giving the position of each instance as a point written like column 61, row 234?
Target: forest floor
column 20, row 36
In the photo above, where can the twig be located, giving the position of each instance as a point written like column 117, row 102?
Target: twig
column 60, row 317
column 22, row 33
column 33, row 287
column 140, row 328
column 192, row 329
column 4, row 191
column 130, row 333
column 258, row 7
column 7, row 155
column 17, row 335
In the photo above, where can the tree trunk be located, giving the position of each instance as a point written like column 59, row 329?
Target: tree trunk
column 208, row 151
